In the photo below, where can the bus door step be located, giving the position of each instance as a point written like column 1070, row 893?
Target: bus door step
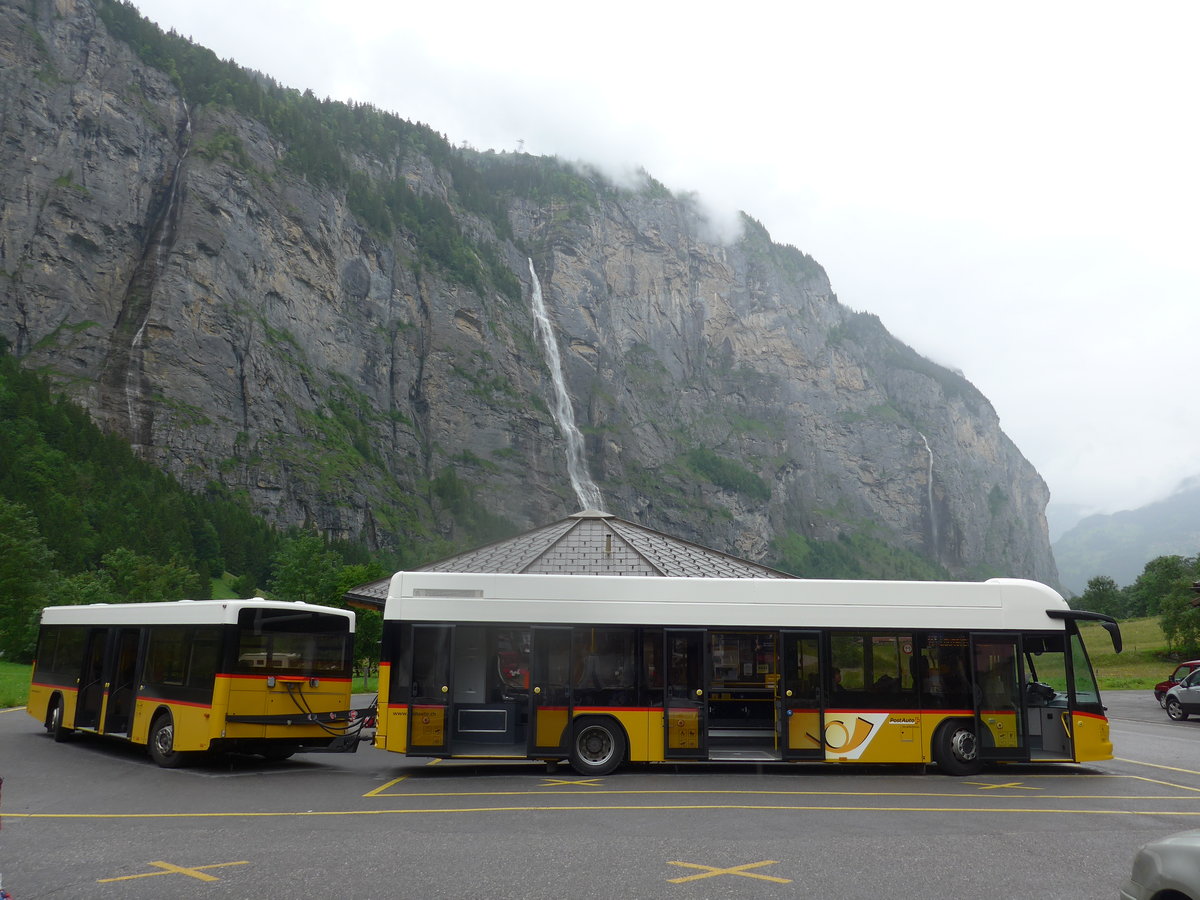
column 726, row 754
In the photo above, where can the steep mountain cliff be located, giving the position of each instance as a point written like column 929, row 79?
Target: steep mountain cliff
column 327, row 309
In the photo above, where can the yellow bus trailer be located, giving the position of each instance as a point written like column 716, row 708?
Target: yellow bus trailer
column 600, row 670
column 256, row 676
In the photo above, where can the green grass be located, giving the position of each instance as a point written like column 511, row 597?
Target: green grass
column 222, row 588
column 1143, row 663
column 14, row 684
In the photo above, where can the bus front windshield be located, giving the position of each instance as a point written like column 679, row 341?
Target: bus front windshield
column 287, row 642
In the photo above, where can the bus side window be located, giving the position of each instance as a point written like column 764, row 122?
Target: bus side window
column 945, row 684
column 879, row 667
column 165, row 660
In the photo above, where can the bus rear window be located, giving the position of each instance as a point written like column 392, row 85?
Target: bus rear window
column 287, row 642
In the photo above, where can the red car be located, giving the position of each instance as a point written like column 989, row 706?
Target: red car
column 1181, row 672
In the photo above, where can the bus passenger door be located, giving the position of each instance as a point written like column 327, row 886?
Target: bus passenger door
column 550, row 692
column 91, row 680
column 999, row 696
column 801, row 724
column 428, row 726
column 685, row 716
column 122, row 684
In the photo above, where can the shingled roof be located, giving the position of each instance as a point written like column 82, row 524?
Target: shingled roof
column 586, row 543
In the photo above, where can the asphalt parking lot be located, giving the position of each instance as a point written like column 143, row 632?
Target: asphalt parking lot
column 93, row 818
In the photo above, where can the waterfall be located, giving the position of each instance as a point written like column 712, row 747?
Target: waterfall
column 585, row 489
column 929, row 492
column 139, row 293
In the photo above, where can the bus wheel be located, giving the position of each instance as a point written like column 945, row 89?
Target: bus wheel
column 1175, row 709
column 598, row 747
column 956, row 749
column 54, row 721
column 162, row 743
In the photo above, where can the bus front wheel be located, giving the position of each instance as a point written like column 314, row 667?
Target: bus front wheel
column 598, row 747
column 956, row 748
column 162, row 743
column 54, row 721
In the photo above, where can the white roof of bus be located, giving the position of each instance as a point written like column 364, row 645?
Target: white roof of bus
column 722, row 602
column 181, row 612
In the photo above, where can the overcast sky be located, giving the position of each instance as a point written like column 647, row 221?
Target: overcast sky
column 1011, row 187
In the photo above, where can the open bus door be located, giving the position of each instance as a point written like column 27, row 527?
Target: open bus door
column 121, row 681
column 998, row 668
column 800, row 697
column 92, row 676
column 685, row 718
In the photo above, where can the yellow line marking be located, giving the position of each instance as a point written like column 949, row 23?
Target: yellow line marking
column 433, row 762
column 1138, row 762
column 12, row 709
column 712, row 872
column 558, row 782
column 616, row 808
column 167, row 868
column 1012, row 785
column 378, row 792
column 835, row 793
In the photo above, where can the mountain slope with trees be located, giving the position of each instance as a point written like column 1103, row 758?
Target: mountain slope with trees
column 1119, row 545
column 83, row 520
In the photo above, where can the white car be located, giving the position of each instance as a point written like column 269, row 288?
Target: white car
column 1183, row 700
column 1166, row 869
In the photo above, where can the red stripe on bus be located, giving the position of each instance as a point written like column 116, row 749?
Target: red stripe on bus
column 146, row 699
column 56, row 687
column 292, row 678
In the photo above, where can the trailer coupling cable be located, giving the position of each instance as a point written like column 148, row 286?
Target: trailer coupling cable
column 295, row 690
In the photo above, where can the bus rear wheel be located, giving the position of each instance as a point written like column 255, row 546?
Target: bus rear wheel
column 162, row 743
column 597, row 747
column 956, row 748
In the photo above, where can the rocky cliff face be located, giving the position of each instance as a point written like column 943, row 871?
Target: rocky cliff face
column 245, row 324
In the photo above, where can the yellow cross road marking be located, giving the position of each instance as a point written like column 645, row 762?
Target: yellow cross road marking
column 556, row 782
column 1012, row 785
column 713, row 871
column 167, row 868
column 383, row 787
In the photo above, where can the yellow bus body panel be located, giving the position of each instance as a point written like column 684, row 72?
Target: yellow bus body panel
column 1002, row 726
column 644, row 729
column 804, row 730
column 38, row 704
column 1092, row 740
column 250, row 696
column 428, row 726
column 394, row 736
column 383, row 719
column 894, row 737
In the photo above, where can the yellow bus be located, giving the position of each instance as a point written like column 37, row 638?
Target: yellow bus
column 601, row 670
column 186, row 677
